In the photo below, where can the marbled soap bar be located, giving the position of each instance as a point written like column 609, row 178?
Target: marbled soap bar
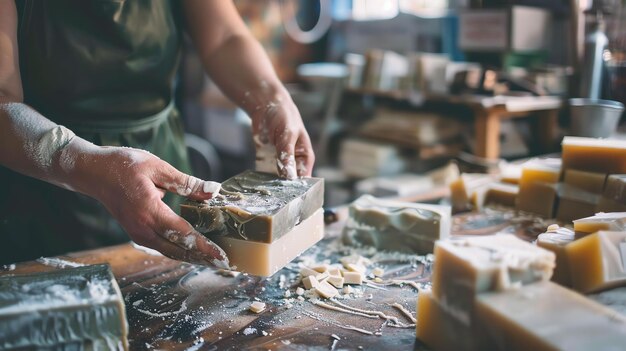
column 256, row 206
column 73, row 307
column 467, row 266
column 396, row 226
column 265, row 259
column 594, row 155
column 545, row 316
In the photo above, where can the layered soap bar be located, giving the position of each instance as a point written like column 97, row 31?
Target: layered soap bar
column 465, row 267
column 598, row 261
column 575, row 203
column 612, row 221
column 265, row 259
column 76, row 307
column 556, row 240
column 396, row 226
column 501, row 194
column 594, row 155
column 588, row 181
column 538, row 190
column 256, row 206
column 461, row 190
column 546, row 316
column 442, row 331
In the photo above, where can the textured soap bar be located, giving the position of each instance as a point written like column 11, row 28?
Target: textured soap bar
column 598, row 261
column 545, row 316
column 265, row 259
column 269, row 207
column 76, row 307
column 538, row 187
column 587, row 181
column 612, row 221
column 501, row 194
column 594, row 155
column 466, row 266
column 441, row 331
column 575, row 203
column 396, row 226
column 461, row 190
column 555, row 241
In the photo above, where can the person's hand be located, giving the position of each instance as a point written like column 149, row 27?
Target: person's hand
column 279, row 135
column 131, row 184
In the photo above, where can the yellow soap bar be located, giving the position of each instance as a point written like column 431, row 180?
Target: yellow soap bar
column 263, row 259
column 466, row 266
column 538, row 187
column 442, row 331
column 612, row 221
column 545, row 316
column 588, row 181
column 575, row 203
column 598, row 261
column 594, row 155
column 501, row 194
column 461, row 190
column 555, row 241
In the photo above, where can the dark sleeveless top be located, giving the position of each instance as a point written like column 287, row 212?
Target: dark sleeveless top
column 98, row 59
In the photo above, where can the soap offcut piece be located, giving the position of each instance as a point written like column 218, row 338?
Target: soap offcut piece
column 501, row 194
column 263, row 259
column 598, row 261
column 256, row 206
column 461, row 190
column 396, row 226
column 62, row 309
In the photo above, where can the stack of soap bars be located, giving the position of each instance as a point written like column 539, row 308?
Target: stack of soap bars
column 261, row 221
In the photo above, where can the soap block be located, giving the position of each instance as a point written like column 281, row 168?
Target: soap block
column 465, row 267
column 575, row 203
column 556, row 241
column 615, row 188
column 461, row 190
column 501, row 194
column 441, row 331
column 594, row 155
column 612, row 221
column 598, row 261
column 588, row 181
column 263, row 259
column 606, row 204
column 396, row 226
column 62, row 309
column 262, row 207
column 545, row 316
column 538, row 187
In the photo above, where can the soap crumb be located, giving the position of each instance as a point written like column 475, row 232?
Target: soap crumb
column 257, row 307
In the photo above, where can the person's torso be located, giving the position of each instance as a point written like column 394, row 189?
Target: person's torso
column 95, row 60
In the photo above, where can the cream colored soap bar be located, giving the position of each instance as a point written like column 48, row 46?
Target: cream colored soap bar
column 612, row 221
column 461, row 190
column 594, row 155
column 575, row 203
column 588, row 181
column 466, row 266
column 441, row 331
column 511, row 173
column 264, row 259
column 66, row 309
column 538, row 187
column 598, row 261
column 501, row 194
column 545, row 316
column 555, row 241
column 396, row 226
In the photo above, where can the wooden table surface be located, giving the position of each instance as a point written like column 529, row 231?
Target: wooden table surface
column 177, row 306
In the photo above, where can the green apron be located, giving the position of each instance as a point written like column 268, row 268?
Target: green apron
column 105, row 69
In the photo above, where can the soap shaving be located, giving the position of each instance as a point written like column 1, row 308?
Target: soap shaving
column 404, row 311
column 339, row 309
column 337, row 324
column 58, row 263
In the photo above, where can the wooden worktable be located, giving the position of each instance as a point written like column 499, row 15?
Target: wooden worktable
column 178, row 306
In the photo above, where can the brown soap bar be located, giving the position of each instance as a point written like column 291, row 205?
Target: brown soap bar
column 616, row 188
column 587, row 181
column 268, row 207
column 594, row 155
column 575, row 203
column 502, row 194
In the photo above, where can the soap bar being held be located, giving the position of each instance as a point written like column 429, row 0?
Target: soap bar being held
column 396, row 226
column 256, row 206
column 598, row 261
column 62, row 310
